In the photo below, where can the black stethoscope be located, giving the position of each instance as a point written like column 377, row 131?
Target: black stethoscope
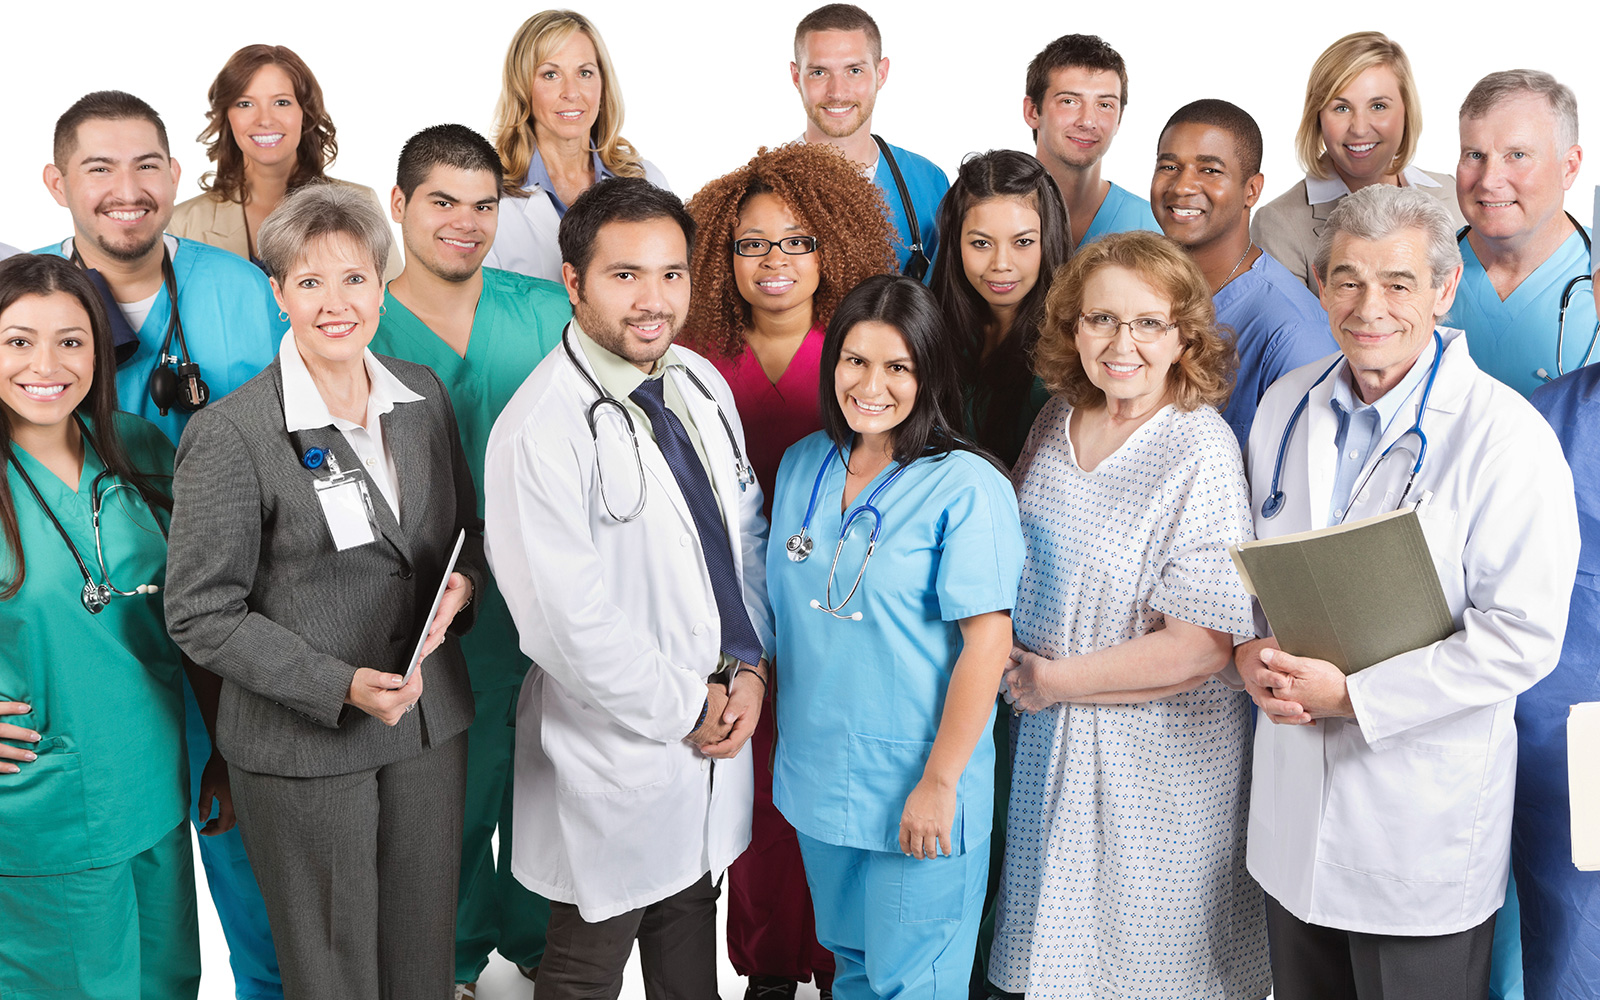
column 175, row 382
column 799, row 545
column 746, row 475
column 95, row 596
column 1566, row 300
column 1273, row 504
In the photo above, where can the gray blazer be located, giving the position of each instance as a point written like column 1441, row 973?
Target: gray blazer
column 258, row 594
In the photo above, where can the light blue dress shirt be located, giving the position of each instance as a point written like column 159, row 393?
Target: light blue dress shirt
column 1362, row 426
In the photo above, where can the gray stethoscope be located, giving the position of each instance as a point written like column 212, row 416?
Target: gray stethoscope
column 800, row 544
column 1273, row 504
column 745, row 474
column 1566, row 300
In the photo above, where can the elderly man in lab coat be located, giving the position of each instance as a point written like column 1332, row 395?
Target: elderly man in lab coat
column 625, row 530
column 1380, row 815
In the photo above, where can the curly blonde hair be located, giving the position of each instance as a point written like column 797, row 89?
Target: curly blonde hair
column 842, row 209
column 539, row 36
column 1203, row 373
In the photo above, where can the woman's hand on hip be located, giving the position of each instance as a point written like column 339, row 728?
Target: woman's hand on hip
column 926, row 820
column 11, row 754
column 1028, row 679
column 382, row 695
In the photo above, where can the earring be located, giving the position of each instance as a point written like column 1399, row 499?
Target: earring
column 283, row 317
column 383, row 308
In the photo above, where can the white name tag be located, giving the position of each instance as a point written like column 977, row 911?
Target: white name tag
column 347, row 510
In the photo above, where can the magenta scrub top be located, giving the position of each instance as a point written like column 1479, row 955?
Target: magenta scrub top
column 775, row 416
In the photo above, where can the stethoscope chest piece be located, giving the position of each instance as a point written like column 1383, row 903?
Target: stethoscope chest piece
column 798, row 547
column 95, row 597
column 1272, row 504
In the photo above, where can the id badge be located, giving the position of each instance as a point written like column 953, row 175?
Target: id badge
column 347, row 507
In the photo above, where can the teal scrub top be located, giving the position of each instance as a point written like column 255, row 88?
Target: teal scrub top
column 859, row 702
column 1514, row 338
column 106, row 689
column 519, row 320
column 1121, row 212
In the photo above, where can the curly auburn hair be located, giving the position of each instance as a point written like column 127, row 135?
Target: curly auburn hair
column 1203, row 373
column 842, row 209
column 318, row 143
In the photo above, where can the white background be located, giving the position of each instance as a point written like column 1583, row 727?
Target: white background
column 706, row 83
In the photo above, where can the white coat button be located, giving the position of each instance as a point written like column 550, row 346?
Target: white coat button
column 699, row 628
column 1361, row 498
column 684, row 539
column 705, row 763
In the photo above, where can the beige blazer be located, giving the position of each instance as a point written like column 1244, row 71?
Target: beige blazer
column 1289, row 226
column 221, row 223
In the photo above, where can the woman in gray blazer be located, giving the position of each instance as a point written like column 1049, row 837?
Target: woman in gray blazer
column 315, row 509
column 1360, row 125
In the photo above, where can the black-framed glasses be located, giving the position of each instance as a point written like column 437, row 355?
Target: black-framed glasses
column 792, row 245
column 1144, row 329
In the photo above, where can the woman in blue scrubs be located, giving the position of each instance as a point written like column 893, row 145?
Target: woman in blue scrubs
column 96, row 874
column 893, row 632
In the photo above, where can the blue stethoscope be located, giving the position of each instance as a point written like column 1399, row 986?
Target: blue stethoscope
column 1273, row 504
column 1567, row 292
column 799, row 544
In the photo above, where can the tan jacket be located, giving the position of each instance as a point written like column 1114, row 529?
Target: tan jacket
column 221, row 223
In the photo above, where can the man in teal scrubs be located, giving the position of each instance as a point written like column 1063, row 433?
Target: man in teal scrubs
column 482, row 331
column 1077, row 91
column 112, row 171
column 1521, row 250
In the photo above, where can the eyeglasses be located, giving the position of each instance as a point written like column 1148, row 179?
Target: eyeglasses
column 793, row 245
column 1144, row 329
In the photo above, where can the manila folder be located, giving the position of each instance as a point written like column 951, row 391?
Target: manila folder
column 1583, row 778
column 1352, row 594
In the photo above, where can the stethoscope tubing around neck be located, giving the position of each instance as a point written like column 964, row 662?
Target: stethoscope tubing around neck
column 799, row 545
column 1567, row 292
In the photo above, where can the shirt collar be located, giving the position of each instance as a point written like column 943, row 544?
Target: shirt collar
column 540, row 176
column 303, row 407
column 1321, row 190
column 870, row 171
column 617, row 375
column 1390, row 403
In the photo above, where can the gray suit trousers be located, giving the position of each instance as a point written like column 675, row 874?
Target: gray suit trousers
column 359, row 872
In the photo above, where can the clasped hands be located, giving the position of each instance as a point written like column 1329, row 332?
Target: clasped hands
column 1292, row 690
column 731, row 712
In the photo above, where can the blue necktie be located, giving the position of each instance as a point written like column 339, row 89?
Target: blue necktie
column 738, row 637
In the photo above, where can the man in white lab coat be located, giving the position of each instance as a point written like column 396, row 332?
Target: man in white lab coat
column 625, row 529
column 1380, row 813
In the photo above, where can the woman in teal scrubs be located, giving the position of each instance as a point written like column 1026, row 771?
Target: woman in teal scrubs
column 888, row 665
column 96, row 873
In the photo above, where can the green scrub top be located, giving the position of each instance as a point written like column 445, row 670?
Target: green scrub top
column 106, row 690
column 519, row 320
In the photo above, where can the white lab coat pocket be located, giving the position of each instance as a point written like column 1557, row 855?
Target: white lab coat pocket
column 591, row 754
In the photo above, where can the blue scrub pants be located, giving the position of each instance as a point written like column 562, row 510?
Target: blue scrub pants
column 127, row 931
column 240, row 908
column 1505, row 965
column 899, row 928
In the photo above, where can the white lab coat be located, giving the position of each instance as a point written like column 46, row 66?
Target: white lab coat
column 613, row 810
column 525, row 240
column 1399, row 821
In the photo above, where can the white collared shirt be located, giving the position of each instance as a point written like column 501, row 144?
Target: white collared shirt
column 1320, row 190
column 304, row 409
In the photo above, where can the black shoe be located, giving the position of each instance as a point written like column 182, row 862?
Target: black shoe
column 770, row 988
column 826, row 992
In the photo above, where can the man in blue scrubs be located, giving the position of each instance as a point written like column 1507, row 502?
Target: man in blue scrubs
column 838, row 69
column 1077, row 91
column 1519, row 155
column 113, row 172
column 1207, row 178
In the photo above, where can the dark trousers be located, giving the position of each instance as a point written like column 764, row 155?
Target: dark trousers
column 1321, row 963
column 677, row 949
column 359, row 872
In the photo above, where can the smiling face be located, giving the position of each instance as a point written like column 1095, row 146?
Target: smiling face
column 1080, row 116
column 46, row 360
column 1132, row 375
column 1000, row 252
column 332, row 294
column 1199, row 192
column 634, row 296
column 1513, row 174
column 266, row 118
column 449, row 221
column 1362, row 126
column 838, row 77
column 566, row 90
column 875, row 382
column 779, row 282
column 119, row 187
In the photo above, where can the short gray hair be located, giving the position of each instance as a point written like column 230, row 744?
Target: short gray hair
column 1506, row 84
column 1378, row 211
column 315, row 212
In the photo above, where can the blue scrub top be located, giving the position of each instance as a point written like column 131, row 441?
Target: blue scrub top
column 859, row 702
column 230, row 322
column 1511, row 340
column 1121, row 212
column 1280, row 326
column 926, row 184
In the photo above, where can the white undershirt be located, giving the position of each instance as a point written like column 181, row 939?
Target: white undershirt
column 136, row 312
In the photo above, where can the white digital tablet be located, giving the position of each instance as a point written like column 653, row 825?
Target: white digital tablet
column 433, row 612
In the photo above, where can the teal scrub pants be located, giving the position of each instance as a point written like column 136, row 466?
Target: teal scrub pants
column 1505, row 963
column 493, row 910
column 127, row 931
column 898, row 927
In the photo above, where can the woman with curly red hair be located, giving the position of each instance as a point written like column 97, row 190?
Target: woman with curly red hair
column 780, row 242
